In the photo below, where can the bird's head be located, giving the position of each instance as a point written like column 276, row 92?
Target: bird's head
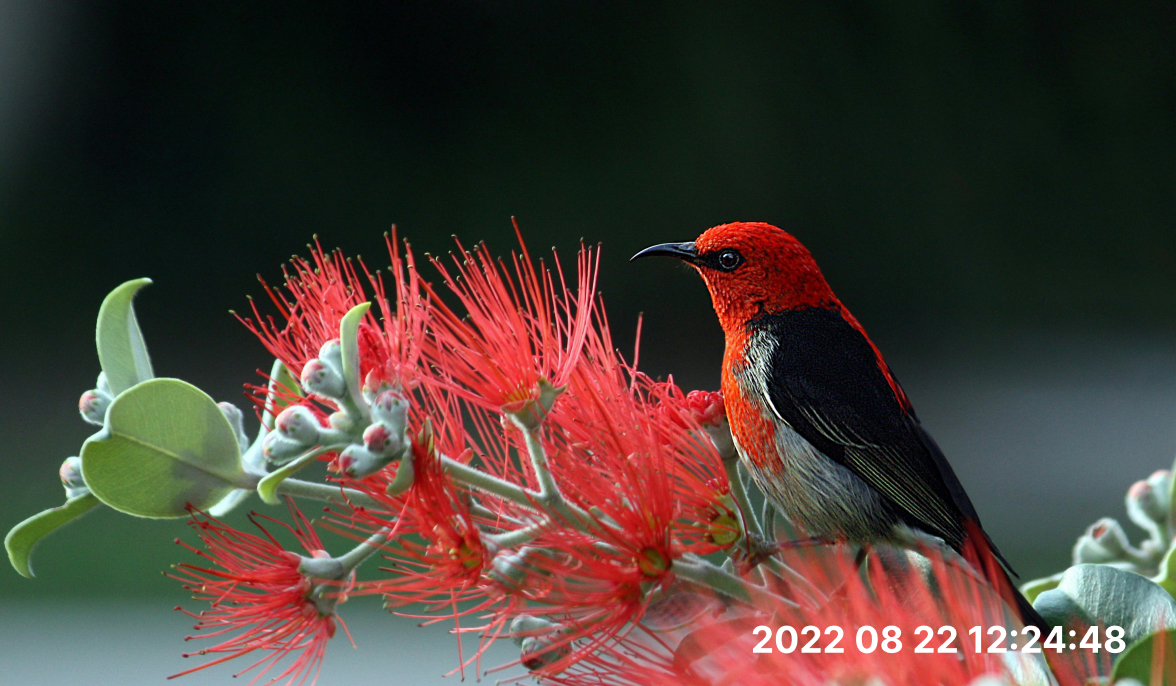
column 751, row 268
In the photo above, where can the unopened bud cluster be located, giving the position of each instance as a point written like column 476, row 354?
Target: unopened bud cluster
column 366, row 445
column 1105, row 541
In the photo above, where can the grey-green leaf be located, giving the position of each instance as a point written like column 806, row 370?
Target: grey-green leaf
column 166, row 444
column 121, row 349
column 1137, row 661
column 349, row 340
column 1092, row 593
column 24, row 536
column 279, row 375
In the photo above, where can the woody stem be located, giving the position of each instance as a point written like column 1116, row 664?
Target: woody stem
column 334, row 494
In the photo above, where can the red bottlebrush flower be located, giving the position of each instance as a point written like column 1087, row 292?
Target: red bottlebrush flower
column 257, row 591
column 438, row 556
column 319, row 291
column 620, row 446
column 716, row 648
column 519, row 330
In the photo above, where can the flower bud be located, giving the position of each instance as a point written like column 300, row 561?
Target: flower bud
column 375, row 383
column 332, row 354
column 1145, row 506
column 104, row 385
column 1104, row 541
column 278, row 449
column 71, row 477
column 298, row 424
column 530, row 626
column 391, row 408
column 380, row 440
column 92, row 406
column 320, row 378
column 538, row 652
column 341, row 421
column 512, row 570
column 707, row 407
column 357, row 462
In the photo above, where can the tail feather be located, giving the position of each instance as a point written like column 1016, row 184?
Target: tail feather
column 978, row 550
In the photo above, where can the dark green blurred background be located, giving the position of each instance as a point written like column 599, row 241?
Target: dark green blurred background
column 990, row 186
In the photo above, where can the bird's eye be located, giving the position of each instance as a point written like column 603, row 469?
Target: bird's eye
column 729, row 259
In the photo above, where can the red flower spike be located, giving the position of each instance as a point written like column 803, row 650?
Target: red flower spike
column 259, row 596
column 622, row 446
column 520, row 329
column 716, row 649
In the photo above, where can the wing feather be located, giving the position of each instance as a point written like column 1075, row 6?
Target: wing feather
column 827, row 382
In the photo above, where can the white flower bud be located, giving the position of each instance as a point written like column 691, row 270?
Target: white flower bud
column 391, row 408
column 278, row 449
column 299, row 424
column 71, row 477
column 538, row 652
column 341, row 421
column 1104, row 541
column 321, row 378
column 528, row 626
column 1144, row 506
column 92, row 406
column 357, row 462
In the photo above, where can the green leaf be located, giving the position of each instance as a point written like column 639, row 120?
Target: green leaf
column 166, row 444
column 121, row 349
column 1093, row 593
column 230, row 502
column 1167, row 576
column 1032, row 589
column 267, row 488
column 1137, row 661
column 349, row 340
column 25, row 536
column 274, row 404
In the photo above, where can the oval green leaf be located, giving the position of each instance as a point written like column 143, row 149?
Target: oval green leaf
column 25, row 536
column 349, row 340
column 166, row 445
column 1151, row 660
column 1092, row 593
column 121, row 349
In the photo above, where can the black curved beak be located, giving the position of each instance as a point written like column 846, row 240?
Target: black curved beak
column 683, row 251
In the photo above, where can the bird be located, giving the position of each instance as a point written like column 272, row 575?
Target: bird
column 817, row 416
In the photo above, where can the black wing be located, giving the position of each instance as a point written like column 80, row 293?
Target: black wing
column 826, row 382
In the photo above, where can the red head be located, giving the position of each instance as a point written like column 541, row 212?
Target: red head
column 752, row 268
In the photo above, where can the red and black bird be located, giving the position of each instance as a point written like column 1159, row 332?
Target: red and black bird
column 817, row 416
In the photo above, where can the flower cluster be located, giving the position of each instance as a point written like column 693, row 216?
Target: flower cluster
column 513, row 473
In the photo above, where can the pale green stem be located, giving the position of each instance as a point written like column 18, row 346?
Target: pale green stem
column 747, row 516
column 482, row 481
column 315, row 491
column 516, row 537
column 476, row 478
column 355, row 557
column 548, row 489
column 695, row 569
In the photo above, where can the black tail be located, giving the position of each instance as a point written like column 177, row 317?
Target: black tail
column 1029, row 615
column 979, row 551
